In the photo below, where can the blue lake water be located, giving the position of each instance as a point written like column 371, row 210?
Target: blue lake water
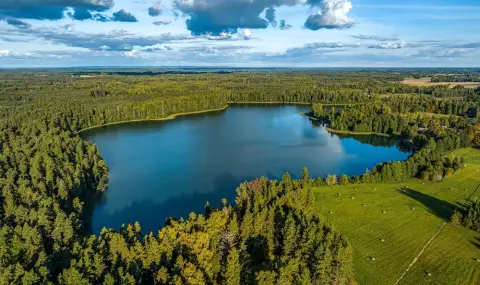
column 161, row 169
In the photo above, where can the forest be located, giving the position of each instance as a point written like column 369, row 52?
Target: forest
column 50, row 179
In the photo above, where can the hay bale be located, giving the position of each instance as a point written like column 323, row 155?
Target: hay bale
column 364, row 205
column 330, row 212
column 384, row 212
column 429, row 274
column 382, row 240
column 352, row 198
column 413, row 208
column 372, row 258
column 478, row 259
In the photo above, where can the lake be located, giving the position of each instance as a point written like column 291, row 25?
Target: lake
column 161, row 169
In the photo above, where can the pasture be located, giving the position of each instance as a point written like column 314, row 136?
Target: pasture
column 390, row 224
column 426, row 82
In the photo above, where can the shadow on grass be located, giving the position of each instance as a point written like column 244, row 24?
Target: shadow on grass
column 476, row 243
column 439, row 208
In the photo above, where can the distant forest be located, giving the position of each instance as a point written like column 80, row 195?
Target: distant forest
column 50, row 179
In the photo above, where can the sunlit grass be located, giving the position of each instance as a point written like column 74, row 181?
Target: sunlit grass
column 405, row 221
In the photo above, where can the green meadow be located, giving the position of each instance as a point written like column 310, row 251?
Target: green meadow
column 390, row 225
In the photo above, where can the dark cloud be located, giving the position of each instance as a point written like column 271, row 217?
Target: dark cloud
column 200, row 24
column 284, row 25
column 81, row 14
column 270, row 16
column 331, row 14
column 18, row 23
column 375, row 38
column 217, row 16
column 53, row 9
column 314, row 3
column 154, row 11
column 123, row 16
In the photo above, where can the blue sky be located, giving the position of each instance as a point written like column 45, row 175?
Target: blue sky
column 243, row 33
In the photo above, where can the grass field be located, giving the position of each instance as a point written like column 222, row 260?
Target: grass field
column 406, row 215
column 427, row 82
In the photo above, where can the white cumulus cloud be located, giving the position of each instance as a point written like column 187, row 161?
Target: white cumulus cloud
column 331, row 14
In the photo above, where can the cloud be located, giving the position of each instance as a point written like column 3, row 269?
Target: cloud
column 162, row 22
column 313, row 49
column 4, row 52
column 444, row 53
column 270, row 16
column 18, row 23
column 123, row 16
column 203, row 53
column 69, row 27
column 421, row 7
column 154, row 11
column 53, row 9
column 375, row 38
column 221, row 36
column 469, row 45
column 214, row 52
column 284, row 25
column 81, row 14
column 332, row 45
column 455, row 52
column 116, row 40
column 217, row 16
column 11, row 54
column 392, row 45
column 246, row 34
column 14, row 39
column 331, row 14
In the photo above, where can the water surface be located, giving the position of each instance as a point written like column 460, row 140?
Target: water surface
column 171, row 168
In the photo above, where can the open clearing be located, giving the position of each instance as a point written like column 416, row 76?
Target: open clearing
column 426, row 82
column 389, row 224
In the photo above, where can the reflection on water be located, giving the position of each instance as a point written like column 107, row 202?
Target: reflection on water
column 163, row 169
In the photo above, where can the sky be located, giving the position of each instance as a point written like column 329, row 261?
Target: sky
column 240, row 33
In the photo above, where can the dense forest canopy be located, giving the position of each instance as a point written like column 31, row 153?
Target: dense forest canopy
column 50, row 179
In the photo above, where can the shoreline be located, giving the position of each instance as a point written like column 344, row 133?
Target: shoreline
column 173, row 116
column 293, row 103
column 170, row 117
column 357, row 133
column 253, row 102
column 347, row 132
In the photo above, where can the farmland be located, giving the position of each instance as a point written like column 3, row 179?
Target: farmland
column 425, row 82
column 392, row 222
